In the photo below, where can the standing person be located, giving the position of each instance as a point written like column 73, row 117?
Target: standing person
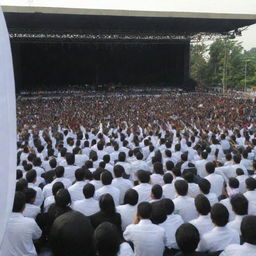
column 20, row 231
column 148, row 239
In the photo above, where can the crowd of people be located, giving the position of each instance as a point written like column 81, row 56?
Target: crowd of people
column 144, row 175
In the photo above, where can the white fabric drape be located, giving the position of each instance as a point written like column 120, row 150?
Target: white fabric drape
column 7, row 127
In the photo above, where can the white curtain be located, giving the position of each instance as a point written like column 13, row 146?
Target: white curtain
column 7, row 128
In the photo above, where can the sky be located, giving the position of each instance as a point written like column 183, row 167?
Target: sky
column 248, row 38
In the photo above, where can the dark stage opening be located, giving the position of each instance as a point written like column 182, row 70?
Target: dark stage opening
column 59, row 64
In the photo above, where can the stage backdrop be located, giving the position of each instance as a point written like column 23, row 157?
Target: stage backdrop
column 7, row 128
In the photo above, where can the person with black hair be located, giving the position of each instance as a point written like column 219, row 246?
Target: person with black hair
column 31, row 178
column 200, row 164
column 120, row 183
column 138, row 164
column 168, row 187
column 108, row 188
column 144, row 187
column 216, row 180
column 203, row 222
column 220, row 236
column 193, row 188
column 96, row 182
column 188, row 237
column 250, row 194
column 108, row 165
column 70, row 169
column 240, row 207
column 241, row 177
column 156, row 193
column 148, row 238
column 72, row 234
column 31, row 210
column 158, row 172
column 87, row 206
column 205, row 187
column 122, row 161
column 107, row 213
column 248, row 231
column 171, row 223
column 20, row 231
column 51, row 199
column 129, row 208
column 49, row 175
column 80, row 158
column 76, row 190
column 184, row 204
column 108, row 241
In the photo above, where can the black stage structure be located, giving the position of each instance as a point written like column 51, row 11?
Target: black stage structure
column 56, row 50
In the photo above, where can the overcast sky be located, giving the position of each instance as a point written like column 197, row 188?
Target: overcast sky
column 248, row 38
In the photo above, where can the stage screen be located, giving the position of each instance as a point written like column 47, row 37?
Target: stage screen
column 56, row 65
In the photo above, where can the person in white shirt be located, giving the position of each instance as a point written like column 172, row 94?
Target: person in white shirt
column 129, row 208
column 216, row 180
column 156, row 193
column 148, row 239
column 70, row 169
column 248, row 230
column 144, row 187
column 241, row 177
column 220, row 236
column 122, row 161
column 168, row 187
column 203, row 222
column 120, row 183
column 225, row 145
column 240, row 207
column 80, row 158
column 51, row 199
column 250, row 194
column 171, row 222
column 108, row 242
column 184, row 204
column 193, row 188
column 205, row 187
column 158, row 172
column 108, row 166
column 31, row 210
column 20, row 231
column 31, row 178
column 108, row 188
column 200, row 165
column 76, row 190
column 87, row 206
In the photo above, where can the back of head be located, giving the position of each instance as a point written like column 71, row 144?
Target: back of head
column 168, row 178
column 97, row 173
column 144, row 210
column 202, row 204
column 169, row 165
column 106, row 158
column 210, row 167
column 228, row 157
column 204, row 155
column 107, row 204
column 56, row 187
column 19, row 202
column 184, row 157
column 250, row 184
column 119, row 171
column 73, row 225
column 31, row 176
column 158, row 168
column 237, row 159
column 107, row 239
column 62, row 198
column 204, row 186
column 30, row 195
column 21, row 184
column 139, row 156
column 189, row 176
column 233, row 183
column 70, row 158
column 106, row 178
column 239, row 204
column 187, row 237
column 59, row 171
column 158, row 214
column 121, row 157
column 143, row 176
column 88, row 190
column 131, row 197
column 80, row 174
column 181, row 187
column 239, row 172
column 248, row 229
column 157, row 191
column 219, row 215
column 168, row 205
column 53, row 163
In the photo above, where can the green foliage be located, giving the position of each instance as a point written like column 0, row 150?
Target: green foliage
column 208, row 64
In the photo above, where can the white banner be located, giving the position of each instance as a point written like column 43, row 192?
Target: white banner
column 7, row 128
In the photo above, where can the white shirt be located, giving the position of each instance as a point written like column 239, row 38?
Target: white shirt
column 216, row 181
column 76, row 190
column 213, row 199
column 48, row 201
column 169, row 191
column 144, row 191
column 31, row 211
column 127, row 167
column 69, row 172
column 170, row 226
column 193, row 189
column 127, row 213
column 157, row 179
column 97, row 184
column 80, row 160
column 251, row 197
column 125, row 250
column 185, row 207
column 109, row 189
column 226, row 202
column 123, row 185
column 203, row 223
column 200, row 166
column 136, row 166
column 245, row 249
column 148, row 239
column 39, row 194
column 87, row 206
column 218, row 239
column 236, row 223
column 242, row 186
column 19, row 236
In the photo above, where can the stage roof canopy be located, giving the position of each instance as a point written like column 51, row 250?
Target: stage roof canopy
column 159, row 16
